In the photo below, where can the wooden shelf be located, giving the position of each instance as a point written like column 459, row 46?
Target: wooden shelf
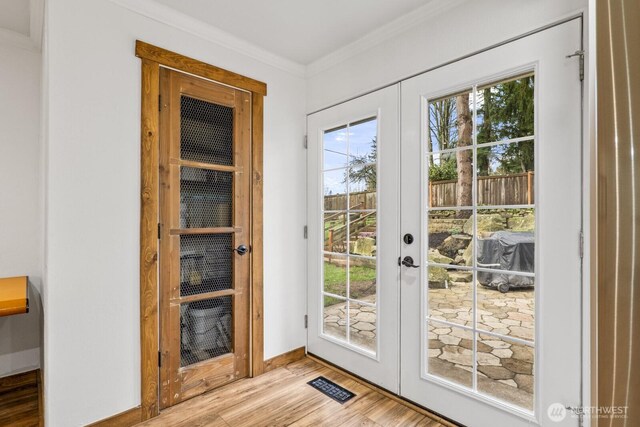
column 14, row 297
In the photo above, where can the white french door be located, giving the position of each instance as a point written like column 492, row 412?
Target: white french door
column 353, row 223
column 444, row 256
column 491, row 166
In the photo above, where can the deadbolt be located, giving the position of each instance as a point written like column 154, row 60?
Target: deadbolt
column 408, row 238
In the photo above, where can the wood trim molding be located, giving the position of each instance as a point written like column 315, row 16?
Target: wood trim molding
column 124, row 419
column 257, row 297
column 149, row 193
column 198, row 68
column 284, row 359
column 152, row 59
column 386, row 393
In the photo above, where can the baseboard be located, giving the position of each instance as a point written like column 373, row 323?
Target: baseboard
column 422, row 410
column 124, row 419
column 284, row 359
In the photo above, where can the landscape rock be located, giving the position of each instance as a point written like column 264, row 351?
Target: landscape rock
column 435, row 256
column 486, row 223
column 438, row 278
column 453, row 244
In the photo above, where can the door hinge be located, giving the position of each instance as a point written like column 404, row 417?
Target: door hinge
column 159, row 231
column 159, row 359
column 581, row 245
column 306, row 321
column 306, row 232
column 159, row 102
column 306, row 141
column 580, row 55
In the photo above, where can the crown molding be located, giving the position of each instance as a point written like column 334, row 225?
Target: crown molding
column 382, row 34
column 18, row 40
column 169, row 16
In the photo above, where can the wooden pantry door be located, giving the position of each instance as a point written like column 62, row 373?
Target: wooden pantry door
column 204, row 231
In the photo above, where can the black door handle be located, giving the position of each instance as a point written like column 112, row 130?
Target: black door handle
column 408, row 262
column 242, row 249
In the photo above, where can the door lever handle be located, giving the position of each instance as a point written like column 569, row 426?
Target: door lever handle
column 408, row 262
column 241, row 250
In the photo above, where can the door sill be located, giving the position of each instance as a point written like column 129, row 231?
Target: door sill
column 395, row 397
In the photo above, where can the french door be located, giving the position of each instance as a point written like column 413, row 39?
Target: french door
column 458, row 232
column 353, row 223
column 204, row 235
column 491, row 190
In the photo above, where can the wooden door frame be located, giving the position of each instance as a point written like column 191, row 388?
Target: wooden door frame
column 152, row 59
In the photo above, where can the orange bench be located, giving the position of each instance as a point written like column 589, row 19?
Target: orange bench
column 14, row 298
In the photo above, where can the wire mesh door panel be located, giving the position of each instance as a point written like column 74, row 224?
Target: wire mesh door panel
column 204, row 256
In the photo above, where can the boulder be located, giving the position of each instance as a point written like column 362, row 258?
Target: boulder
column 486, row 223
column 435, row 256
column 523, row 223
column 438, row 278
column 453, row 244
column 467, row 255
column 364, row 246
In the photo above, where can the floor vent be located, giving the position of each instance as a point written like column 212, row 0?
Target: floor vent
column 331, row 389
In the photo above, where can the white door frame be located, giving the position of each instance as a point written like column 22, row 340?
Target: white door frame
column 381, row 369
column 558, row 42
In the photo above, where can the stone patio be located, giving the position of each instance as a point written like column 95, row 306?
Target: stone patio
column 505, row 369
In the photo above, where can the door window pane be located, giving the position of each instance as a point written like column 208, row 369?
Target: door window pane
column 505, row 370
column 450, row 353
column 506, row 110
column 205, row 329
column 363, row 325
column 350, row 234
column 335, row 274
column 480, row 203
column 206, row 131
column 206, row 263
column 450, row 179
column 506, row 174
column 205, row 198
column 334, row 318
column 450, row 122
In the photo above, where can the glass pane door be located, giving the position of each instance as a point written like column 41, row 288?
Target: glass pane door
column 353, row 282
column 491, row 189
column 205, row 204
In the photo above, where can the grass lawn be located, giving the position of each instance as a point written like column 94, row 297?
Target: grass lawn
column 362, row 281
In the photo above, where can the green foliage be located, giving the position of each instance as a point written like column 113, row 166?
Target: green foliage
column 507, row 112
column 363, row 168
column 444, row 171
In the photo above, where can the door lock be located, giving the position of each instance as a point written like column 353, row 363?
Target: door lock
column 408, row 238
column 408, row 262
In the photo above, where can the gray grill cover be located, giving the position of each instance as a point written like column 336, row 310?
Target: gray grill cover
column 507, row 250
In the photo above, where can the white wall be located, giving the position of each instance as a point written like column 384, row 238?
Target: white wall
column 460, row 30
column 92, row 355
column 20, row 202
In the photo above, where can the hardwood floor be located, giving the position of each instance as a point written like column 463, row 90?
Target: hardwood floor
column 19, row 402
column 282, row 397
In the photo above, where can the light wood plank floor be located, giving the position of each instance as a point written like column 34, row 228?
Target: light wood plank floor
column 283, row 398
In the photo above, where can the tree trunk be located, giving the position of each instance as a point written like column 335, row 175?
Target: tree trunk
column 464, row 158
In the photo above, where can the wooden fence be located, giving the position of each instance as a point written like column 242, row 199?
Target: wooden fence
column 516, row 189
column 359, row 200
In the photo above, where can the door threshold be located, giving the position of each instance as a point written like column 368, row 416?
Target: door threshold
column 395, row 397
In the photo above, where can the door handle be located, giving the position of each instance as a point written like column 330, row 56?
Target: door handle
column 408, row 262
column 241, row 250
